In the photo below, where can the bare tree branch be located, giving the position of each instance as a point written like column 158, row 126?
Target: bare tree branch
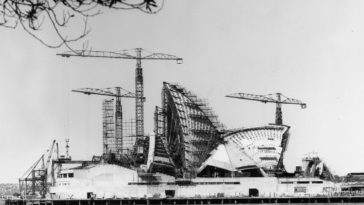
column 34, row 15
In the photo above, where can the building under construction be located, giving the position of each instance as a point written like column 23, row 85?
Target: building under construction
column 189, row 140
column 187, row 135
column 186, row 130
column 190, row 152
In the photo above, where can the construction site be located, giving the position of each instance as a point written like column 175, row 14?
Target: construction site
column 189, row 147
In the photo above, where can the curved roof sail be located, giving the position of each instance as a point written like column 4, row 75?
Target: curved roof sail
column 188, row 128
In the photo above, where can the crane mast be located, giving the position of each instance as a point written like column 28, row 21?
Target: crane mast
column 137, row 54
column 139, row 91
column 118, row 120
column 279, row 115
column 276, row 98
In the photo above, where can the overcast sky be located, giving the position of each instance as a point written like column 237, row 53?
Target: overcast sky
column 309, row 50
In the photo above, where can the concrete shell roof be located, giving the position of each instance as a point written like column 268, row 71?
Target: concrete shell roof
column 236, row 153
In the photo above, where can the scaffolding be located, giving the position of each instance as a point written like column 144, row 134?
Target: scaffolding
column 110, row 146
column 129, row 136
column 188, row 128
column 162, row 161
column 119, row 136
column 112, row 121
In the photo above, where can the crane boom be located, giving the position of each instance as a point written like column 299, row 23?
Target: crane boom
column 276, row 98
column 105, row 92
column 124, row 54
column 50, row 154
column 271, row 98
column 137, row 54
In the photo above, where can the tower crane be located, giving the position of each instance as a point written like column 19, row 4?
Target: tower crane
column 276, row 98
column 118, row 93
column 137, row 54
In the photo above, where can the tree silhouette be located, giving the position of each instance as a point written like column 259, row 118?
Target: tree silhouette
column 36, row 15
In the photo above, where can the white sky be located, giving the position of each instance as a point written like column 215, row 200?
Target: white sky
column 310, row 50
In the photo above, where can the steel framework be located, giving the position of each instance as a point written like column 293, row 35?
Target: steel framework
column 36, row 180
column 111, row 143
column 187, row 128
column 112, row 119
column 129, row 136
column 162, row 161
column 137, row 54
column 265, row 145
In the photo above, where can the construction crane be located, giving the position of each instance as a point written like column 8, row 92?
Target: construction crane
column 276, row 98
column 118, row 93
column 35, row 180
column 137, row 54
